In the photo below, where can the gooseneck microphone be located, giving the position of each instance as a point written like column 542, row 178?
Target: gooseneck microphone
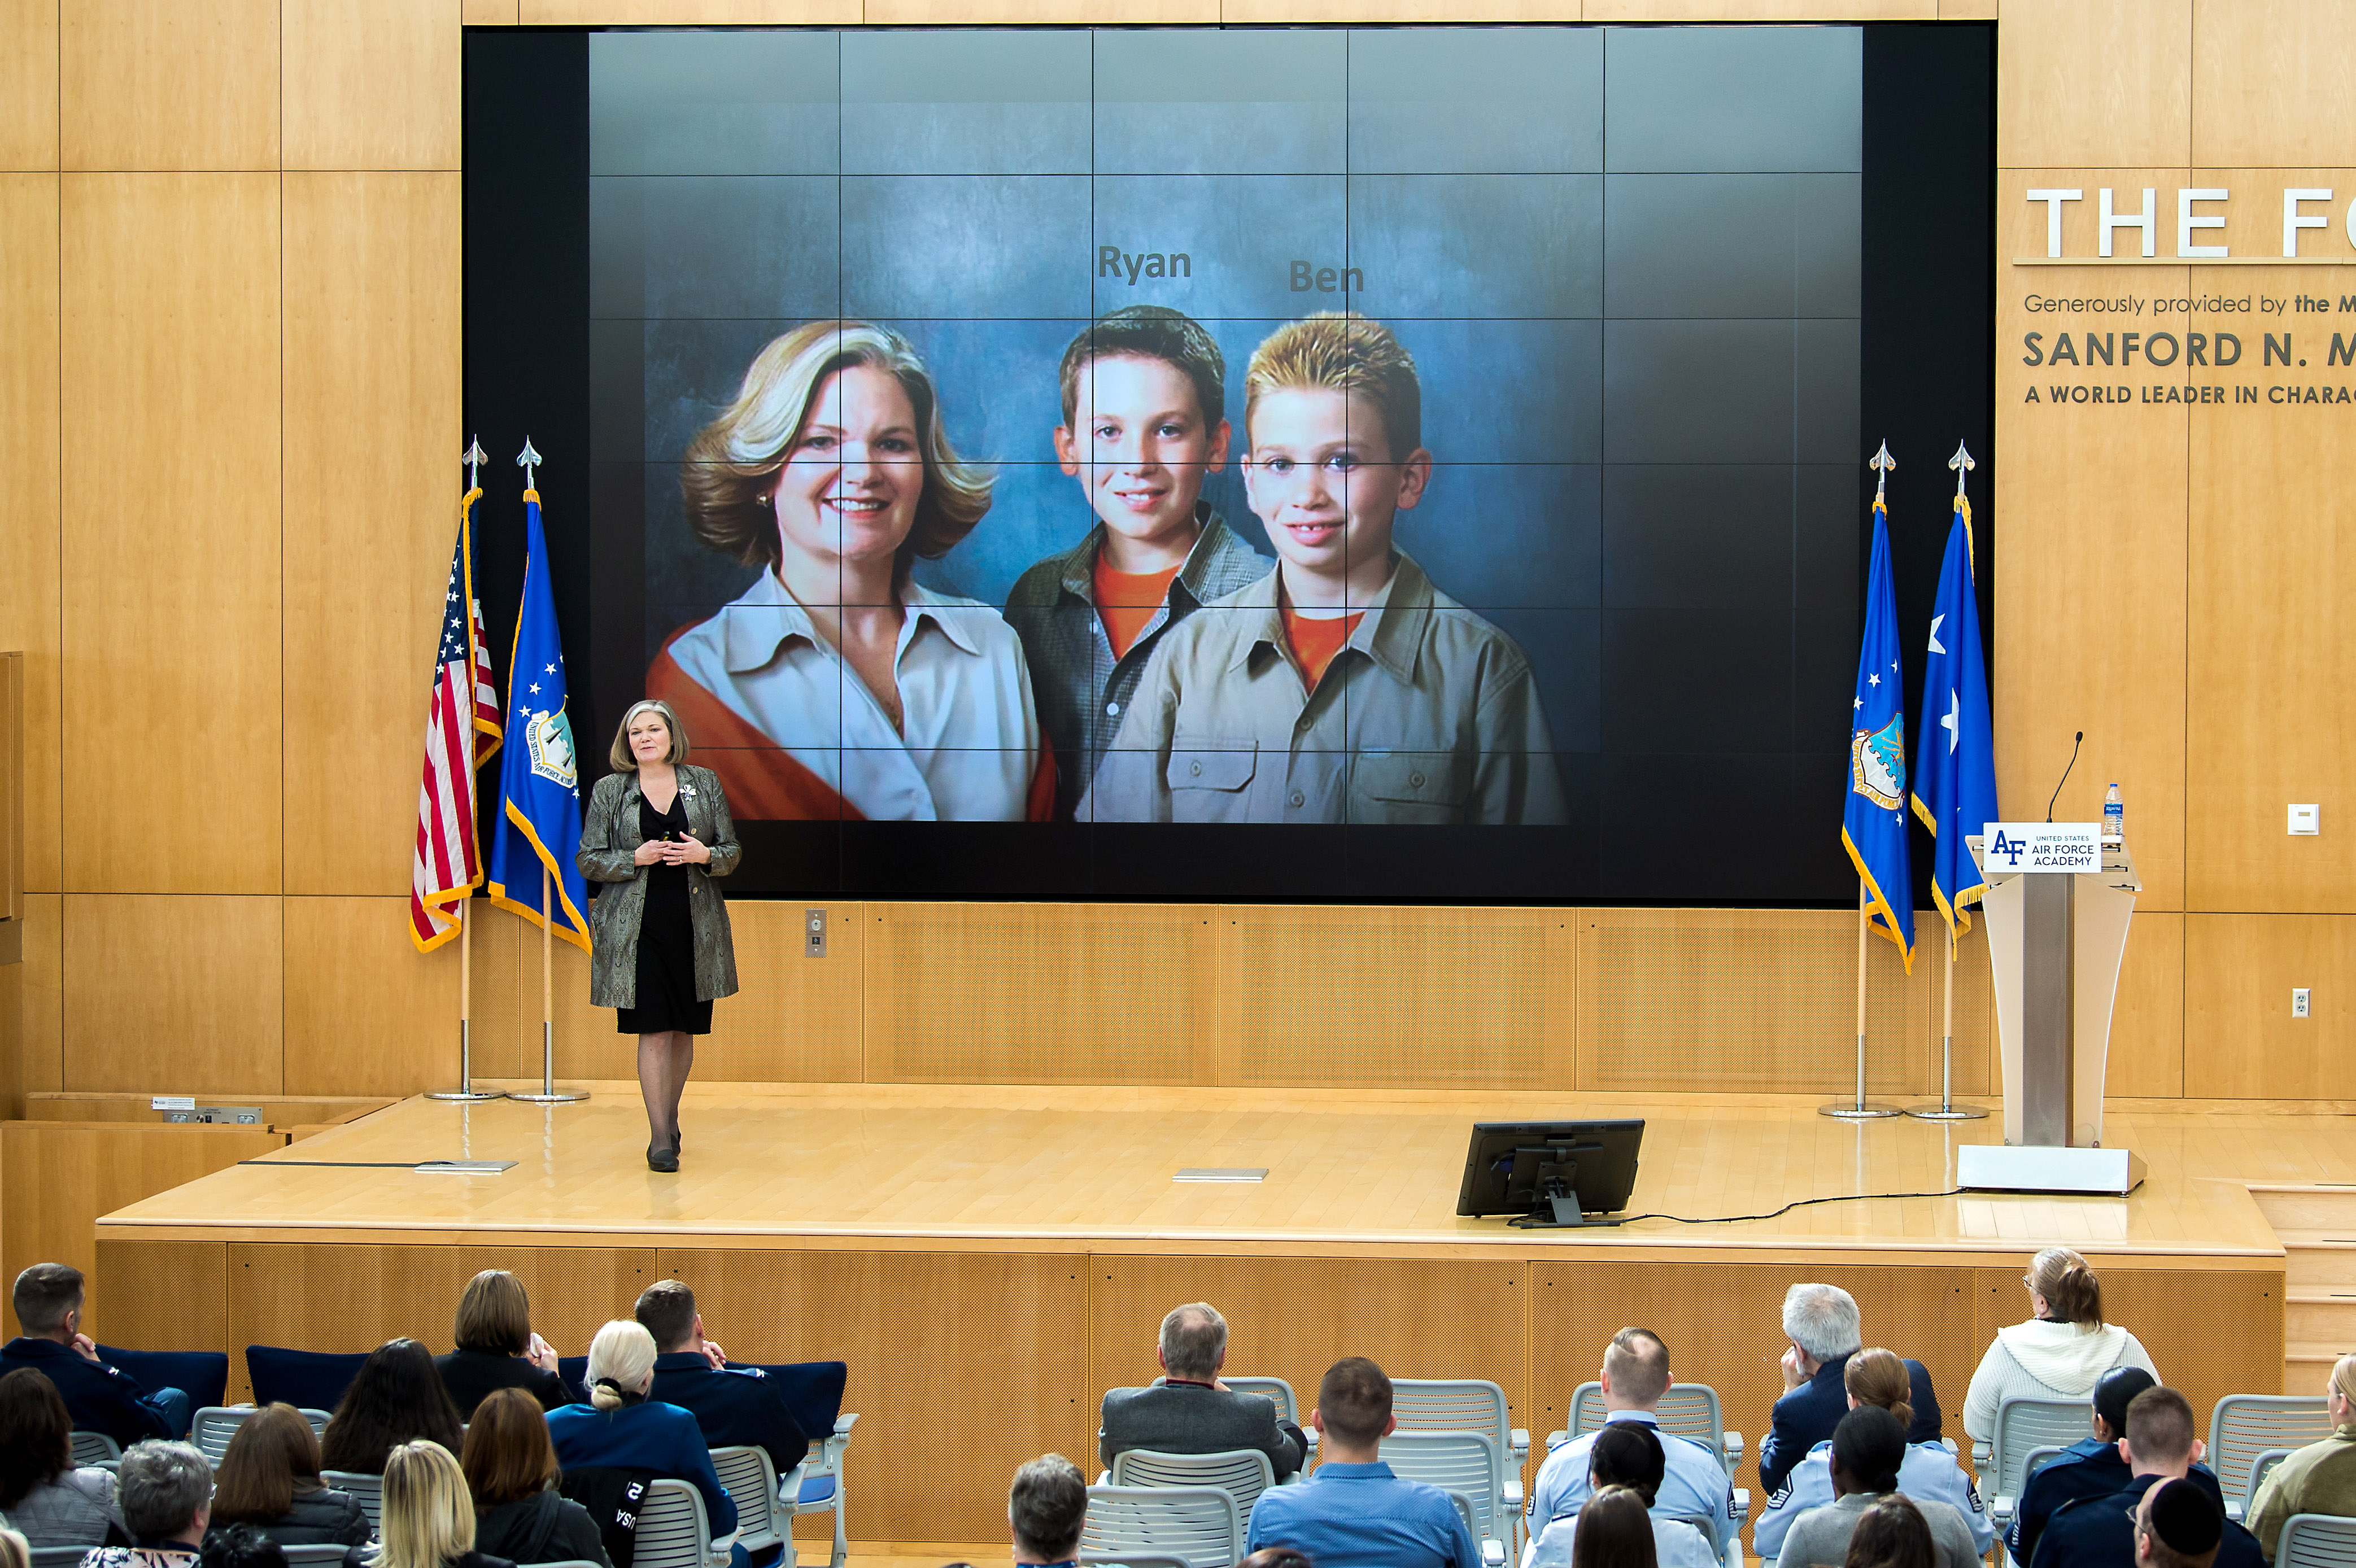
column 2065, row 774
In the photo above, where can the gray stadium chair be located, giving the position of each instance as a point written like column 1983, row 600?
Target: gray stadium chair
column 2263, row 1465
column 366, row 1490
column 2023, row 1427
column 820, row 1489
column 2317, row 1541
column 2244, row 1425
column 673, row 1530
column 58, row 1556
column 1688, row 1410
column 1243, row 1474
column 2037, row 1459
column 1199, row 1525
column 751, row 1477
column 92, row 1448
column 1493, row 1552
column 322, row 1556
column 1114, row 1559
column 1471, row 1405
column 1465, row 1463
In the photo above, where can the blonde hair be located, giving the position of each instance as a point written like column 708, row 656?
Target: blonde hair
column 1343, row 354
column 428, row 1516
column 626, row 761
column 2070, row 1289
column 624, row 1352
column 731, row 465
column 2343, row 1376
column 15, row 1552
column 1877, row 1377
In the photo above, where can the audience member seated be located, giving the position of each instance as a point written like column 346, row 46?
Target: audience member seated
column 397, row 1397
column 1352, row 1510
column 270, row 1479
column 2061, row 1352
column 1822, row 1325
column 1876, row 1377
column 1194, row 1412
column 1868, row 1447
column 622, row 1435
column 427, row 1520
column 2318, row 1478
column 735, row 1406
column 511, row 1474
column 166, row 1492
column 49, row 1301
column 1046, row 1507
column 497, row 1347
column 2178, row 1525
column 1635, row 1375
column 1629, row 1457
column 240, row 1546
column 2089, row 1467
column 1892, row 1534
column 1618, row 1532
column 45, row 1498
column 2159, row 1447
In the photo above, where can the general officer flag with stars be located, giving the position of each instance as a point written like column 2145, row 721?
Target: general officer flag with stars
column 539, row 820
column 1954, row 748
column 1873, row 823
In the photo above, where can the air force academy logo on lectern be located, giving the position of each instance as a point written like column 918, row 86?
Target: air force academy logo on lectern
column 549, row 737
column 1877, row 763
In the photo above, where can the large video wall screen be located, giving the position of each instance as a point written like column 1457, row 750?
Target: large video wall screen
column 1497, row 398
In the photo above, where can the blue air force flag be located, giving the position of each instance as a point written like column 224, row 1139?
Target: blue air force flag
column 539, row 820
column 1873, row 823
column 1955, row 749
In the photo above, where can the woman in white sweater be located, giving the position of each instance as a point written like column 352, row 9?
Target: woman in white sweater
column 2060, row 1353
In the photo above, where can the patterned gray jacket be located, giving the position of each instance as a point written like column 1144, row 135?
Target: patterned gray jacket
column 609, row 839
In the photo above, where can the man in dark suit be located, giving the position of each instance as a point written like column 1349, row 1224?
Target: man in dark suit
column 47, row 1300
column 1193, row 1411
column 2161, row 1517
column 1821, row 1323
column 733, row 1404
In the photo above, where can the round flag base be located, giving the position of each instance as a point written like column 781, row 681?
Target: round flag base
column 465, row 1096
column 552, row 1097
column 1953, row 1111
column 1856, row 1111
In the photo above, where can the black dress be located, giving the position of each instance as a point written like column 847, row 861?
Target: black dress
column 666, row 940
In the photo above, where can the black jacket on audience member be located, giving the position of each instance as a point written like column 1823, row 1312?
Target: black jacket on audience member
column 2099, row 1532
column 738, row 1407
column 320, row 1515
column 100, row 1398
column 545, row 1527
column 473, row 1376
column 1182, row 1417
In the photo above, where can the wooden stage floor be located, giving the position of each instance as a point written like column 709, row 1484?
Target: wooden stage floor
column 989, row 1260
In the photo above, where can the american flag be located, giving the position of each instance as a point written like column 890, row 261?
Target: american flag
column 462, row 730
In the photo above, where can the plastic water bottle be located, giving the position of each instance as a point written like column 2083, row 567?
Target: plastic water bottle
column 2115, row 818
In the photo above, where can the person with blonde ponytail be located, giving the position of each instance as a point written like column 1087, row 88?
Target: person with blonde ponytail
column 2318, row 1478
column 1928, row 1473
column 2061, row 1352
column 621, row 1429
column 428, row 1519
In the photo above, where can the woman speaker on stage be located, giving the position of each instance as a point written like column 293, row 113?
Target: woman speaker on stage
column 656, row 832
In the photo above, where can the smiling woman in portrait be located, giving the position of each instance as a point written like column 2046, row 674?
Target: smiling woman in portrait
column 836, row 687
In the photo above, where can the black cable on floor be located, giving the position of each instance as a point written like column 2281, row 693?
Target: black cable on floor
column 1796, row 1203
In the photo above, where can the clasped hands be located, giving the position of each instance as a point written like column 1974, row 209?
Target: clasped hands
column 672, row 852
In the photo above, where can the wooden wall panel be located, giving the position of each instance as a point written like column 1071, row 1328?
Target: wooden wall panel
column 2267, row 77
column 366, row 1013
column 28, row 84
column 166, row 1296
column 173, row 994
column 40, row 978
column 2093, row 81
column 797, row 1018
column 61, row 1176
column 2147, row 1014
column 331, row 1298
column 171, row 585
column 688, row 13
column 159, row 84
column 379, row 84
column 917, row 1328
column 489, row 13
column 372, row 323
column 2240, row 1040
column 29, row 530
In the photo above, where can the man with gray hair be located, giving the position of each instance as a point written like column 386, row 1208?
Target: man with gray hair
column 166, row 1494
column 1192, row 1411
column 1822, row 1332
column 1046, row 1508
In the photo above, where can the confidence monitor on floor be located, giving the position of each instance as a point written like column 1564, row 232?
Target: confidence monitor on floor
column 1550, row 1173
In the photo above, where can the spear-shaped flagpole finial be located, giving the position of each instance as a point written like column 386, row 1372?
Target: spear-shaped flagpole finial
column 1882, row 462
column 474, row 457
column 1962, row 464
column 528, row 460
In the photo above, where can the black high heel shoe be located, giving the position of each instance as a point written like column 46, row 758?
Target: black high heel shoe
column 662, row 1157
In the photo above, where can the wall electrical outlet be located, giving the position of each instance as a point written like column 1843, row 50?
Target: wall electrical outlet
column 2305, row 821
column 2298, row 1002
column 814, row 932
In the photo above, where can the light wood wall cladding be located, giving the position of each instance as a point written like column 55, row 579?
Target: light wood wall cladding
column 376, row 86
column 2147, row 1015
column 166, row 1296
column 372, row 357
column 2090, row 81
column 61, row 1176
column 30, row 613
column 173, row 994
column 2260, row 69
column 40, row 979
column 2240, row 1040
column 170, row 379
column 364, row 1016
column 798, row 1018
column 204, row 80
column 29, row 85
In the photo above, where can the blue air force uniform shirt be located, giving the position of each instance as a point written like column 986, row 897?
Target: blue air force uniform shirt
column 1694, row 1486
column 1929, row 1472
column 1363, row 1516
